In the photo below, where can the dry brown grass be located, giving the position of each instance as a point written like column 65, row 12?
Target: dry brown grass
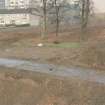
column 22, row 44
column 93, row 54
column 29, row 88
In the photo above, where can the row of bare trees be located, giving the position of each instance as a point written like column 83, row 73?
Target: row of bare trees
column 44, row 8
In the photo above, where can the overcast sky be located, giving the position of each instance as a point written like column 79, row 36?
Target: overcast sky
column 99, row 5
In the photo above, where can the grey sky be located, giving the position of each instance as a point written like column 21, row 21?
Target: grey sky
column 99, row 5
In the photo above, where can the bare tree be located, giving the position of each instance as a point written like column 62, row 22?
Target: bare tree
column 84, row 16
column 57, row 11
column 44, row 9
column 85, row 12
column 39, row 8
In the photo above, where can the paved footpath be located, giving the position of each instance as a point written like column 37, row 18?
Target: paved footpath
column 89, row 75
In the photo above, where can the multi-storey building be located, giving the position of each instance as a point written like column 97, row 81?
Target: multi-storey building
column 2, row 4
column 17, row 12
column 12, row 4
column 14, row 19
column 14, row 12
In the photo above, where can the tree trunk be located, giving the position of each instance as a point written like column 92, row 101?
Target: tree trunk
column 57, row 21
column 57, row 18
column 44, row 19
column 84, row 18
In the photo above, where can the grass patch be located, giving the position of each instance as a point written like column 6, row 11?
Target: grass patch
column 64, row 45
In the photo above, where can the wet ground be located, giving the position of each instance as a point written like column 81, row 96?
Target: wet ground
column 83, row 74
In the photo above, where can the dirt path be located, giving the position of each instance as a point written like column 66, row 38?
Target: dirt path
column 89, row 75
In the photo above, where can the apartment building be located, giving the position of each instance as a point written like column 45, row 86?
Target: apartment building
column 14, row 12
column 17, row 12
column 2, row 4
column 14, row 19
column 13, row 4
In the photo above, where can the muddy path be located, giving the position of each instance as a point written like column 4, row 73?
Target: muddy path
column 88, row 75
